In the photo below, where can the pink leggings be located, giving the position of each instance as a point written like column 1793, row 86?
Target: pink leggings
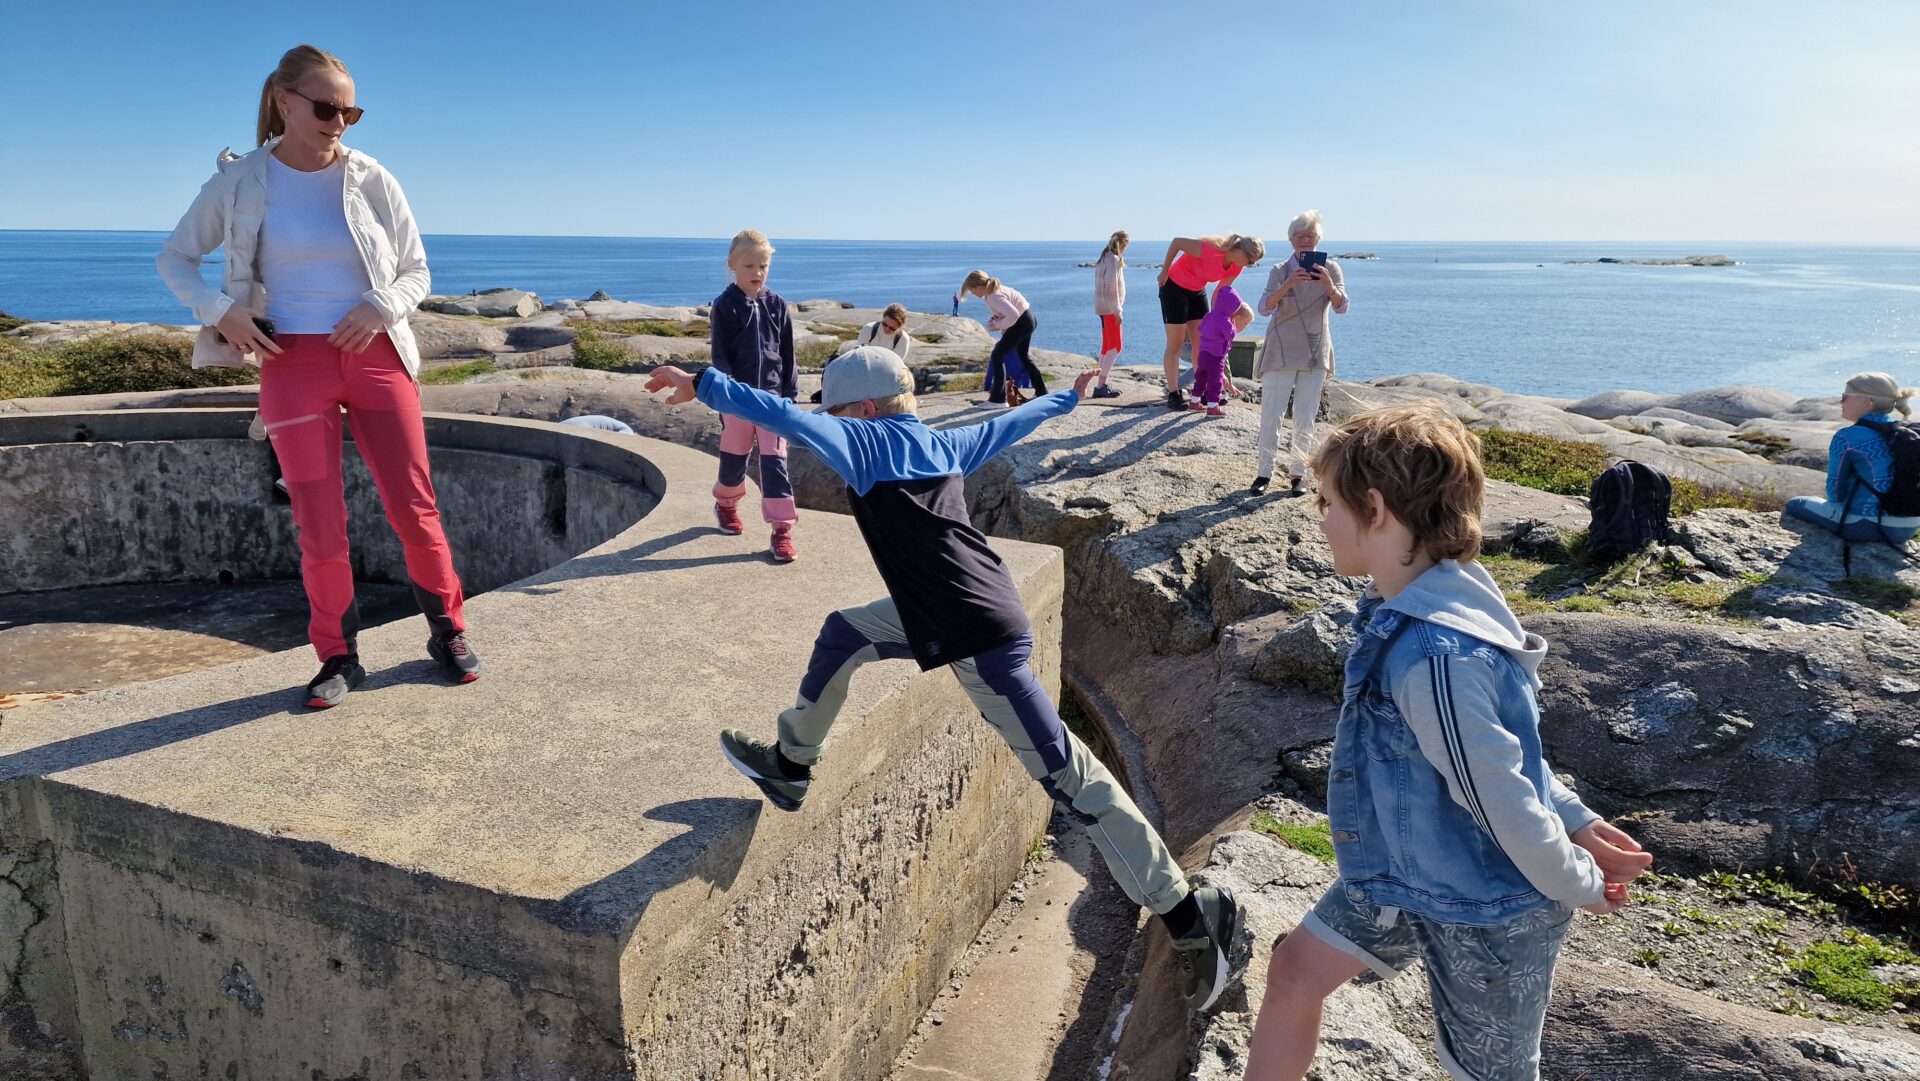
column 302, row 391
column 737, row 437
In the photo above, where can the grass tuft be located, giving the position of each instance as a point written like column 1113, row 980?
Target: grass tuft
column 1315, row 840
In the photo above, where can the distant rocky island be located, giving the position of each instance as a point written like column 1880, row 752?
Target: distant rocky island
column 1356, row 255
column 1691, row 260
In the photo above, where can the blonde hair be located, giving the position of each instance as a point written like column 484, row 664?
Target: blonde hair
column 1118, row 240
column 1303, row 221
column 295, row 65
column 978, row 278
column 752, row 240
column 894, row 404
column 1885, row 394
column 1245, row 309
column 1253, row 246
column 895, row 311
column 1425, row 465
column 891, row 405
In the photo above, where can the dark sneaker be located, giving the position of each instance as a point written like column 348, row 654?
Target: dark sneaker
column 455, row 655
column 761, row 763
column 1105, row 392
column 729, row 519
column 1176, row 400
column 781, row 545
column 1260, row 484
column 1204, row 956
column 337, row 676
column 1298, row 487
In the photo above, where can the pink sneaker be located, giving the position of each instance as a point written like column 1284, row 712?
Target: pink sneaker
column 782, row 545
column 729, row 519
column 1217, row 411
column 1194, row 405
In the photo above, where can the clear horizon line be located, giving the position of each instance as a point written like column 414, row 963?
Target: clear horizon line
column 1064, row 240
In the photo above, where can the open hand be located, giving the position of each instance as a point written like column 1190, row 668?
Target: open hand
column 357, row 329
column 1620, row 857
column 240, row 331
column 1084, row 380
column 669, row 376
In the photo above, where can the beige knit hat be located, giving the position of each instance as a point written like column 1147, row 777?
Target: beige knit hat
column 1885, row 394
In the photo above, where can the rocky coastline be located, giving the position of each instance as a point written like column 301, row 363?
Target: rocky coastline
column 1737, row 698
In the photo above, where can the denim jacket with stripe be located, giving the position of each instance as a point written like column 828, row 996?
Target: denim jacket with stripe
column 1440, row 798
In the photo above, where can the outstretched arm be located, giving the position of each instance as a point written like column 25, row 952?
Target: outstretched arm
column 838, row 442
column 975, row 445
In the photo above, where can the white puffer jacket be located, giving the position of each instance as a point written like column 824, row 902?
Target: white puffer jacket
column 228, row 213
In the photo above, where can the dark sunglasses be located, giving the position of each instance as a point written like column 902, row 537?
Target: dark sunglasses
column 327, row 110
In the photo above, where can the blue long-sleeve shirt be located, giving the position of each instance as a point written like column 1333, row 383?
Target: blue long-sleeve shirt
column 1858, row 453
column 905, row 484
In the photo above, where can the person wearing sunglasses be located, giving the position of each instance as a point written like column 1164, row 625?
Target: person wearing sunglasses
column 323, row 264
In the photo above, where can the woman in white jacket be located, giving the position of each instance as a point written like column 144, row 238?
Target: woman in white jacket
column 323, row 263
column 1109, row 296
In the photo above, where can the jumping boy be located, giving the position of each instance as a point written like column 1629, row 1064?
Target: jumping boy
column 950, row 602
column 1456, row 845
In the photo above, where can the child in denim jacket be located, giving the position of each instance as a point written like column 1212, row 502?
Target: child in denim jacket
column 1456, row 845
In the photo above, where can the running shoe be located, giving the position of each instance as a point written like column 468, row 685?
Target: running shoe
column 729, row 519
column 462, row 664
column 337, row 676
column 1204, row 956
column 782, row 545
column 763, row 765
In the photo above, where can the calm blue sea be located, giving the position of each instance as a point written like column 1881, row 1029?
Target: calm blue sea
column 1519, row 316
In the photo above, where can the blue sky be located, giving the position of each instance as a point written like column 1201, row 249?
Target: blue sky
column 1469, row 120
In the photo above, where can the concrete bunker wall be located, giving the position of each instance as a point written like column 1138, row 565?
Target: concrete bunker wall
column 549, row 873
column 180, row 495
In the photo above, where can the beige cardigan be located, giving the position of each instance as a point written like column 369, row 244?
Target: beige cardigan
column 1299, row 338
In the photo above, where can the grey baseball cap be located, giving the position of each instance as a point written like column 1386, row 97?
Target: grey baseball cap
column 858, row 374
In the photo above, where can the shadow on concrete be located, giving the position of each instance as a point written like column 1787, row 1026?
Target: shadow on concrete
column 712, row 850
column 152, row 733
column 640, row 558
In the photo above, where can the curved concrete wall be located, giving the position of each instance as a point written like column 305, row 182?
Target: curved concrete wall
column 549, row 873
column 182, row 495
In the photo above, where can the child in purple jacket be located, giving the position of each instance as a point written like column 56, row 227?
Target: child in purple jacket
column 1230, row 316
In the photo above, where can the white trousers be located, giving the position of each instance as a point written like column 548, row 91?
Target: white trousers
column 1275, row 388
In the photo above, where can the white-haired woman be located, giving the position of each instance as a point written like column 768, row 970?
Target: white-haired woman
column 323, row 263
column 1191, row 264
column 1860, row 469
column 1297, row 356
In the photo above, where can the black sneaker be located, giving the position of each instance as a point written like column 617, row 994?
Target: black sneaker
column 1204, row 955
column 1105, row 392
column 1298, row 487
column 1176, row 400
column 760, row 762
column 1260, row 484
column 455, row 655
column 337, row 676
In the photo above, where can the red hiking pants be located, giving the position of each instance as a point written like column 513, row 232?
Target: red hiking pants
column 302, row 391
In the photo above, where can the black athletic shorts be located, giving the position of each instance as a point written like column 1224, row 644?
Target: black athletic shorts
column 1179, row 305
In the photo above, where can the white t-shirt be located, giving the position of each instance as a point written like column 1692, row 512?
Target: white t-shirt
column 309, row 263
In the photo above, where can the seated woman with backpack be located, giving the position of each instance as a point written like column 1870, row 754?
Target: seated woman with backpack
column 1873, row 467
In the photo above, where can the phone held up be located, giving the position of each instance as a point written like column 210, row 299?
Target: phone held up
column 1311, row 261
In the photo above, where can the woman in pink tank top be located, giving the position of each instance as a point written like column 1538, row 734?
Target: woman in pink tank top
column 1192, row 264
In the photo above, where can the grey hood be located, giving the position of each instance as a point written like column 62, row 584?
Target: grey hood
column 1465, row 598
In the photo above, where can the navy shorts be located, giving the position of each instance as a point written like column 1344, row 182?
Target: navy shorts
column 1178, row 305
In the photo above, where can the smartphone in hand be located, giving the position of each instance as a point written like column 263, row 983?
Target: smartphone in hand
column 266, row 327
column 1311, row 261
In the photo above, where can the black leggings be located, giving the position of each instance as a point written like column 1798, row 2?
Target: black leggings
column 1018, row 341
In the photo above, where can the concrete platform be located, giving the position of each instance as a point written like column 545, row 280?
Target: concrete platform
column 550, row 873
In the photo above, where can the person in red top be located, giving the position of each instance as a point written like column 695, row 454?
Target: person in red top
column 1192, row 264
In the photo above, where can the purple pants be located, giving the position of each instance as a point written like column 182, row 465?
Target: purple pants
column 1210, row 378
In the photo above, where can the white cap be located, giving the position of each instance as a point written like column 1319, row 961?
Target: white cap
column 859, row 374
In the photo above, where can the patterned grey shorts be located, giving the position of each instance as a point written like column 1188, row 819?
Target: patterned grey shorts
column 1490, row 984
